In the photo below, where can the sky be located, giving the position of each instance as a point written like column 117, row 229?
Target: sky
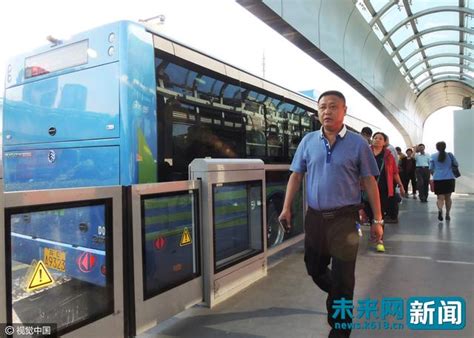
column 220, row 28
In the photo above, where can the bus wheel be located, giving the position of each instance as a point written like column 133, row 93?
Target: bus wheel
column 275, row 231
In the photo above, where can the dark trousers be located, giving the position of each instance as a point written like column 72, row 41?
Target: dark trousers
column 423, row 181
column 392, row 206
column 332, row 241
column 406, row 178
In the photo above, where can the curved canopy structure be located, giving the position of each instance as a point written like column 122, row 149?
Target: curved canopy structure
column 409, row 58
column 429, row 40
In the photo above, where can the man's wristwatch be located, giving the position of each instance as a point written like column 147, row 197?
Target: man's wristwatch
column 378, row 221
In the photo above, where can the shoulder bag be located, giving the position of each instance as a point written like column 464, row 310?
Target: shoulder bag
column 454, row 168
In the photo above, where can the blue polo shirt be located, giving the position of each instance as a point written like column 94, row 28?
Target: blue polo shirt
column 422, row 160
column 442, row 170
column 333, row 173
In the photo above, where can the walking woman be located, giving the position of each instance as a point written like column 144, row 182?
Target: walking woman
column 388, row 176
column 441, row 165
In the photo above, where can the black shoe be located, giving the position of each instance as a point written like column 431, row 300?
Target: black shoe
column 440, row 216
column 448, row 218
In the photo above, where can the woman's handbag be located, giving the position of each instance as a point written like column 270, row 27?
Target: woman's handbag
column 454, row 168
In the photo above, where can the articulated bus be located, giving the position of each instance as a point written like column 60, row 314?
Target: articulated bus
column 122, row 105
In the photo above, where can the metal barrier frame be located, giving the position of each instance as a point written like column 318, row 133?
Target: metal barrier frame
column 219, row 286
column 150, row 312
column 3, row 282
column 298, row 238
column 112, row 324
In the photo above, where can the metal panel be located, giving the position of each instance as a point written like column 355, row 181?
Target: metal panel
column 331, row 35
column 302, row 99
column 76, row 106
column 252, row 80
column 112, row 324
column 274, row 88
column 354, row 41
column 163, row 44
column 199, row 58
column 220, row 165
column 275, row 5
column 149, row 312
column 232, row 72
column 383, row 68
column 61, row 167
column 372, row 46
column 303, row 17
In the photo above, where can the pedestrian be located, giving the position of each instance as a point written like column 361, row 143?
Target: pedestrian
column 408, row 165
column 422, row 172
column 400, row 155
column 394, row 200
column 366, row 133
column 386, row 182
column 335, row 161
column 441, row 165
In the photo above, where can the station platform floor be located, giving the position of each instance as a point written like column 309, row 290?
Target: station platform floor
column 424, row 257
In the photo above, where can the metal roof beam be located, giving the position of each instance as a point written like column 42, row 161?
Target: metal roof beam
column 447, row 79
column 456, row 77
column 382, row 11
column 435, row 44
column 442, row 55
column 431, row 30
column 414, row 77
column 427, row 12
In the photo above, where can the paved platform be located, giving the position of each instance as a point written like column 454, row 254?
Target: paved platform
column 424, row 257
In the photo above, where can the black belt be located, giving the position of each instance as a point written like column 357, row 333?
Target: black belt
column 333, row 213
column 423, row 167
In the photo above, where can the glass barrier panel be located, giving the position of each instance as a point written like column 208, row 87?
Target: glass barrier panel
column 61, row 263
column 237, row 214
column 276, row 182
column 170, row 229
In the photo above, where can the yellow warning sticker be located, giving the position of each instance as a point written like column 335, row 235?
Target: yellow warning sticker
column 40, row 278
column 185, row 238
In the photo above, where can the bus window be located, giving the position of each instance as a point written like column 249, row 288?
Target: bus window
column 254, row 113
column 275, row 130
column 220, row 135
column 293, row 133
column 175, row 77
column 175, row 120
column 231, row 95
column 208, row 88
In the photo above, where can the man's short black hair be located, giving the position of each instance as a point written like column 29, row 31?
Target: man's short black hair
column 333, row 92
column 366, row 131
column 398, row 149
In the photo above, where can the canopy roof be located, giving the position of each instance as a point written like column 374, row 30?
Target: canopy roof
column 430, row 41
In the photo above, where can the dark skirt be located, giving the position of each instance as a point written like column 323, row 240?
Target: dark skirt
column 442, row 187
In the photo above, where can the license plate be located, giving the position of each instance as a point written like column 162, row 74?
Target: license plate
column 55, row 259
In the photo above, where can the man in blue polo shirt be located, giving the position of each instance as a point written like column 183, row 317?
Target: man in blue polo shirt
column 335, row 160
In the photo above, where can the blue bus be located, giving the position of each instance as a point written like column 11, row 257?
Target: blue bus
column 119, row 105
